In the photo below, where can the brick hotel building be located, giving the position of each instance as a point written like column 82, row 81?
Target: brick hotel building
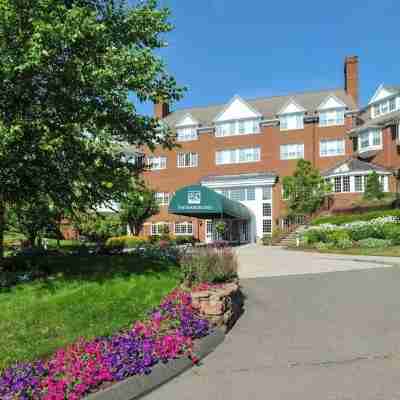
column 242, row 149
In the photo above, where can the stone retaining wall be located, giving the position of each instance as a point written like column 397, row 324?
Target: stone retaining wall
column 221, row 305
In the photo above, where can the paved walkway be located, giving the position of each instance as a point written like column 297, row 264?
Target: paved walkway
column 265, row 261
column 312, row 336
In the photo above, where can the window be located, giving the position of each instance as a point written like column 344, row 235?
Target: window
column 358, row 183
column 183, row 228
column 346, row 184
column 239, row 194
column 187, row 133
column 292, row 151
column 370, row 139
column 267, row 193
column 338, row 184
column 291, row 121
column 236, row 156
column 384, row 107
column 251, row 194
column 329, row 148
column 187, row 160
column 267, row 226
column 162, row 198
column 156, row 163
column 159, row 228
column 267, row 210
column 239, row 127
column 331, row 117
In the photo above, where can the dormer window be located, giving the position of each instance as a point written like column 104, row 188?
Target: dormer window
column 333, row 117
column 239, row 127
column 185, row 134
column 291, row 121
column 385, row 107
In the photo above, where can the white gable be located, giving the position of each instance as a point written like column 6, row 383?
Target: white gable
column 380, row 94
column 237, row 109
column 291, row 107
column 331, row 102
column 187, row 120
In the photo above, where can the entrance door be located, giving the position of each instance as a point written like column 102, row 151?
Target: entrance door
column 209, row 231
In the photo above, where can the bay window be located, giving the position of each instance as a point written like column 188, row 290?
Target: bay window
column 370, row 140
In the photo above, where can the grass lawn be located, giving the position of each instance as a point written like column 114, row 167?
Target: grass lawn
column 84, row 297
column 385, row 251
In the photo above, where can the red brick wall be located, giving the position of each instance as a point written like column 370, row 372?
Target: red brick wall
column 269, row 140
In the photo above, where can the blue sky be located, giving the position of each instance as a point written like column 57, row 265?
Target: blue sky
column 257, row 48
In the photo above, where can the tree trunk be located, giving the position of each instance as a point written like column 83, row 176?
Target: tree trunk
column 138, row 227
column 2, row 228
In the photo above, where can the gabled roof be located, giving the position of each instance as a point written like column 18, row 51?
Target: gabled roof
column 187, row 120
column 331, row 102
column 354, row 165
column 291, row 106
column 379, row 122
column 384, row 91
column 237, row 106
column 268, row 107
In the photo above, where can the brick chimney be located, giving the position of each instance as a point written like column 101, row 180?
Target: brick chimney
column 161, row 110
column 351, row 77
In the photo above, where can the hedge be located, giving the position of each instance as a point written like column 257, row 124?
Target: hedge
column 348, row 218
column 126, row 242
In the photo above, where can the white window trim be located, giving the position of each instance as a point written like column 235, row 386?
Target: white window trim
column 281, row 125
column 162, row 161
column 236, row 124
column 370, row 140
column 256, row 150
column 297, row 157
column 332, row 140
column 185, row 224
column 193, row 160
column 194, row 134
column 163, row 198
column 331, row 179
column 156, row 226
column 334, row 122
column 385, row 102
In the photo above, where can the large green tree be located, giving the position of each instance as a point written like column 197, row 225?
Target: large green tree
column 137, row 205
column 305, row 190
column 67, row 71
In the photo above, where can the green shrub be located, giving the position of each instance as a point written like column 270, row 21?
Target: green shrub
column 184, row 240
column 373, row 187
column 374, row 243
column 209, row 265
column 367, row 231
column 323, row 246
column 339, row 239
column 348, row 218
column 392, row 232
column 125, row 242
column 313, row 236
column 266, row 240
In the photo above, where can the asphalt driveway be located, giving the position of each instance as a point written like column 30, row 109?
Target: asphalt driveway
column 311, row 336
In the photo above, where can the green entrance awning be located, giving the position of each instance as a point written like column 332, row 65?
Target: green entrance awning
column 202, row 202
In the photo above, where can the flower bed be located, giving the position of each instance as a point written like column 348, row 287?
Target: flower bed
column 89, row 365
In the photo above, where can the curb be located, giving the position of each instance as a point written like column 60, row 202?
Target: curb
column 137, row 386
